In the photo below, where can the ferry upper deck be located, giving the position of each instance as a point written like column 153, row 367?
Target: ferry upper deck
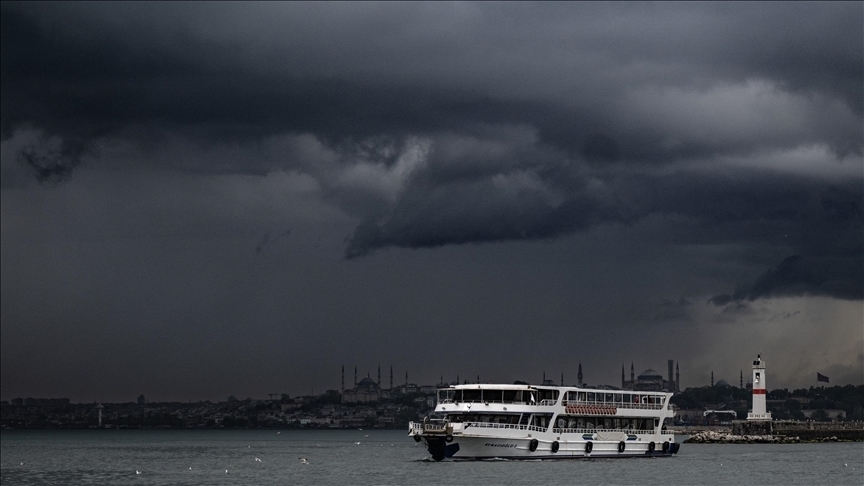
column 546, row 396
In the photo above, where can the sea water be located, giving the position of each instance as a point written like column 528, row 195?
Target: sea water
column 344, row 457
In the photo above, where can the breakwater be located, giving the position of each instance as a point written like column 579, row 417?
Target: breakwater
column 782, row 432
column 709, row 437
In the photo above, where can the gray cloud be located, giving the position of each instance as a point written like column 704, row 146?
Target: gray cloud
column 468, row 168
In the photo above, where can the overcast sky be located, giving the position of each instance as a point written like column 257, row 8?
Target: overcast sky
column 212, row 199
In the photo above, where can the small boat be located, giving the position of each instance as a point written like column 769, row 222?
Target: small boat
column 486, row 421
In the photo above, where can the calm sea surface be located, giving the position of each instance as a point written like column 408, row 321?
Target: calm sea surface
column 384, row 457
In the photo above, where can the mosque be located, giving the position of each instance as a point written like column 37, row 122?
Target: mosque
column 650, row 380
column 366, row 390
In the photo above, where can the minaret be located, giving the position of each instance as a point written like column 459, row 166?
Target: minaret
column 391, row 377
column 562, row 378
column 343, row 379
column 379, row 375
column 478, row 379
column 406, row 379
column 579, row 376
column 742, row 380
column 712, row 377
column 759, row 411
column 677, row 378
column 671, row 386
column 622, row 376
column 632, row 374
column 544, row 378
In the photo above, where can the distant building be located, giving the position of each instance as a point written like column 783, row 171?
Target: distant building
column 650, row 380
column 365, row 391
column 141, row 400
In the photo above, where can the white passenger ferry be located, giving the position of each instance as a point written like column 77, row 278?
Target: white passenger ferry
column 545, row 422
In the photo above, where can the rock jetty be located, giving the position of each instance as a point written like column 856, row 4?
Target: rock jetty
column 710, row 437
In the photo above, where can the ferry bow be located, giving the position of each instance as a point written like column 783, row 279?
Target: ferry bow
column 545, row 422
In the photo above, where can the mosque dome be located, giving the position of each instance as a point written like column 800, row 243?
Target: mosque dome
column 650, row 374
column 722, row 383
column 367, row 382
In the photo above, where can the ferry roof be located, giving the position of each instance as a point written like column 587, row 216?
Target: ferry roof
column 491, row 386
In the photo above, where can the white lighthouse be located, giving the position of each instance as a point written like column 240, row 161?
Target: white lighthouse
column 759, row 412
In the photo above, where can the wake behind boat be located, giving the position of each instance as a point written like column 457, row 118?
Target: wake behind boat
column 545, row 422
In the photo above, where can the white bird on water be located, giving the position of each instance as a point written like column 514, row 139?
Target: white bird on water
column 23, row 463
column 137, row 472
column 357, row 443
column 226, row 471
column 257, row 460
column 303, row 460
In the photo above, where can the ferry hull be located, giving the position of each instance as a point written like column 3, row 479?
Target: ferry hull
column 479, row 448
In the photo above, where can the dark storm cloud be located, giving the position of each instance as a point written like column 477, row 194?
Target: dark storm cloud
column 85, row 77
column 609, row 95
column 833, row 276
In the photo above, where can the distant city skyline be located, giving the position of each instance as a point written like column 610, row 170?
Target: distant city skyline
column 202, row 199
column 709, row 381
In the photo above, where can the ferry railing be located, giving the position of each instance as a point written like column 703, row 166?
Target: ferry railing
column 493, row 425
column 542, row 403
column 602, row 431
column 442, row 426
column 642, row 406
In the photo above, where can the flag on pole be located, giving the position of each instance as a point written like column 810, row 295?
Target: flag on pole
column 821, row 377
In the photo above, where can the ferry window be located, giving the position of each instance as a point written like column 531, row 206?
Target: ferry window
column 571, row 396
column 457, row 396
column 583, row 396
column 549, row 394
column 590, row 397
column 608, row 398
column 619, row 398
column 471, row 395
column 510, row 396
column 492, row 396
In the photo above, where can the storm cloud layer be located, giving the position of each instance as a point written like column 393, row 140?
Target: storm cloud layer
column 453, row 127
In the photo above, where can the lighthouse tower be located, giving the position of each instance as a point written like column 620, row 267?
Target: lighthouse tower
column 759, row 412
